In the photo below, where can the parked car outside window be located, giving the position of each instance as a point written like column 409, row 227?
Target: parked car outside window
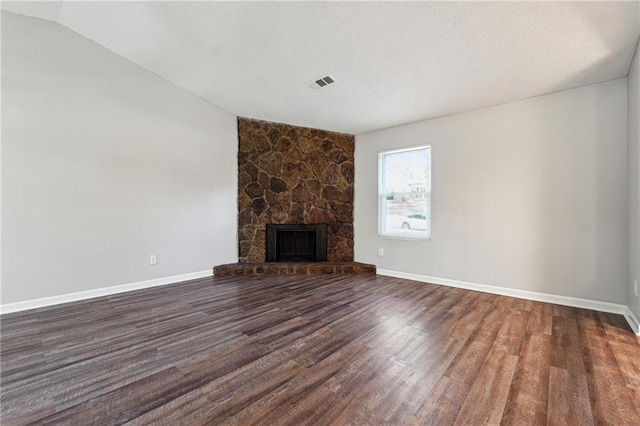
column 415, row 221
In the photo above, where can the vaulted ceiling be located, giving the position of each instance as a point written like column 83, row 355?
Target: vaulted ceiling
column 393, row 63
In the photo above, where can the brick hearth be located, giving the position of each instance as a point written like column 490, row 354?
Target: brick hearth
column 294, row 268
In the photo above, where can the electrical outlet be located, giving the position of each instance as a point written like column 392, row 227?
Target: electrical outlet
column 380, row 252
column 635, row 287
column 153, row 259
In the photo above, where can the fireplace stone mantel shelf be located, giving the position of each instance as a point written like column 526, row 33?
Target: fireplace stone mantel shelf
column 294, row 268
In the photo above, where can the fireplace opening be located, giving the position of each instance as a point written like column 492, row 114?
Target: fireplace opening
column 296, row 243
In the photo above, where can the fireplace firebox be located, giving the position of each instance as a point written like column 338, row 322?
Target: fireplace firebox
column 296, row 242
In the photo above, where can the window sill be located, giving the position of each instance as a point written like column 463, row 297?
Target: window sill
column 396, row 237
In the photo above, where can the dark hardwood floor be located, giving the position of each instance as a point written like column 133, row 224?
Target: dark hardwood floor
column 318, row 349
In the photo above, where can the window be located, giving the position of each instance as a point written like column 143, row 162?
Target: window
column 404, row 193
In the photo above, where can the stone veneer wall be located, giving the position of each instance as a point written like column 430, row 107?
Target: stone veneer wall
column 289, row 174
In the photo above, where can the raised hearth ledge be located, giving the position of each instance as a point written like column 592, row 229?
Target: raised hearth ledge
column 294, row 268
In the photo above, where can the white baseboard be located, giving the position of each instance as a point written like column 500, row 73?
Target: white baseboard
column 99, row 292
column 632, row 319
column 575, row 302
column 522, row 294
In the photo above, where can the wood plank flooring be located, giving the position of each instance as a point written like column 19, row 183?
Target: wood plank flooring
column 296, row 350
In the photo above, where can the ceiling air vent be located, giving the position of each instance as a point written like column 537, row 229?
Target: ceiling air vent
column 321, row 82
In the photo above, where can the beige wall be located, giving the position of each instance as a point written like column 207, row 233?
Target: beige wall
column 103, row 164
column 633, row 157
column 528, row 195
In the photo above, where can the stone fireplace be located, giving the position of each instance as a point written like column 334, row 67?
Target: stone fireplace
column 295, row 202
column 290, row 175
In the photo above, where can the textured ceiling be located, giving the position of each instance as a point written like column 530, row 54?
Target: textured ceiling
column 394, row 62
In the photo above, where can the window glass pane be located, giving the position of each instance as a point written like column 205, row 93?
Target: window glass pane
column 405, row 193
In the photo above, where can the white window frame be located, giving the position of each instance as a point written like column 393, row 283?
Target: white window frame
column 382, row 196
